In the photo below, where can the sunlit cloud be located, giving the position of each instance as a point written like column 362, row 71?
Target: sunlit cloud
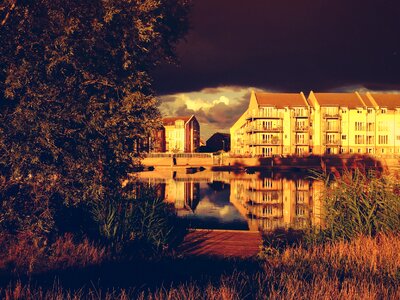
column 216, row 108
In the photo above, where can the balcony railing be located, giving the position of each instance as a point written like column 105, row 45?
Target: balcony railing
column 264, row 128
column 334, row 142
column 267, row 142
column 305, row 142
column 300, row 115
column 302, row 128
column 263, row 115
column 331, row 129
column 331, row 115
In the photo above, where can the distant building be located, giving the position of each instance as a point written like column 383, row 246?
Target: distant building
column 182, row 134
column 324, row 123
column 219, row 141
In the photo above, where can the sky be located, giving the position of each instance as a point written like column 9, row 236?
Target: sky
column 234, row 46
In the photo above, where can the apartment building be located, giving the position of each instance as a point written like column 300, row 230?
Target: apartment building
column 273, row 124
column 324, row 123
column 182, row 134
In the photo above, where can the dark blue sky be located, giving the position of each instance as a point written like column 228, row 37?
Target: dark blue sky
column 288, row 45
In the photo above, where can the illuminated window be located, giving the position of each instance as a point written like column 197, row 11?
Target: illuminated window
column 383, row 139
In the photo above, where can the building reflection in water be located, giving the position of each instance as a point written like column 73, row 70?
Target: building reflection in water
column 264, row 201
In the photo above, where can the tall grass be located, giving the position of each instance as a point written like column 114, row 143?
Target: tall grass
column 143, row 223
column 364, row 268
column 359, row 203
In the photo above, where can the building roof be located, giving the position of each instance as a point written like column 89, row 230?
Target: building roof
column 350, row 100
column 366, row 100
column 171, row 120
column 281, row 100
column 221, row 134
column 390, row 101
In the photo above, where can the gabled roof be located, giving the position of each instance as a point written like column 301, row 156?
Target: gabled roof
column 171, row 120
column 281, row 100
column 222, row 134
column 367, row 101
column 390, row 101
column 350, row 100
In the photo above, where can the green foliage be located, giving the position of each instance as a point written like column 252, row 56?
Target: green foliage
column 75, row 97
column 359, row 203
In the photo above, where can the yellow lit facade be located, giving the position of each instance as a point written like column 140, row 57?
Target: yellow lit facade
column 324, row 123
column 182, row 134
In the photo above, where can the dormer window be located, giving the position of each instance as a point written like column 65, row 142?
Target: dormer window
column 384, row 110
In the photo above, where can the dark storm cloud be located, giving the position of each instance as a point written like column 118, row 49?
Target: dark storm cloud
column 288, row 45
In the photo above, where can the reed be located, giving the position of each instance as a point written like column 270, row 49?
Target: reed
column 357, row 202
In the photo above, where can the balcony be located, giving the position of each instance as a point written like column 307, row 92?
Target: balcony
column 300, row 115
column 332, row 129
column 331, row 115
column 302, row 143
column 263, row 129
column 301, row 128
column 332, row 143
column 270, row 115
column 266, row 142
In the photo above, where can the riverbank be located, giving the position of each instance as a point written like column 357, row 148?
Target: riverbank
column 225, row 162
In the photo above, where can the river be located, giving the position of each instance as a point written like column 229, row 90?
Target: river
column 240, row 201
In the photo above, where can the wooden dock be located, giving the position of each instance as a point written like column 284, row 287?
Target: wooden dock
column 224, row 243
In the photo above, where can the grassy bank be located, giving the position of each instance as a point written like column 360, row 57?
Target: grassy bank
column 364, row 268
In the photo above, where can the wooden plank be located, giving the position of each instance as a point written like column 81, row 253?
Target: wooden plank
column 225, row 243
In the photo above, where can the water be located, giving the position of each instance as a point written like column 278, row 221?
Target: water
column 223, row 200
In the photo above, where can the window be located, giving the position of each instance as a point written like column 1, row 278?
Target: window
column 267, row 210
column 299, row 112
column 300, row 211
column 331, row 139
column 267, row 183
column 370, row 126
column 370, row 139
column 344, row 137
column 300, row 138
column 359, row 126
column 267, row 197
column 370, row 110
column 383, row 139
column 332, row 125
column 359, row 139
column 398, row 137
column 384, row 110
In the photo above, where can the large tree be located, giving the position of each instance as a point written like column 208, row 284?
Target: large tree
column 75, row 93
